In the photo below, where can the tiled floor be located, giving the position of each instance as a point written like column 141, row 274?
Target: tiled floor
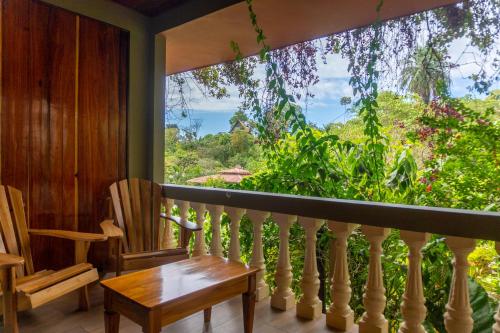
column 60, row 316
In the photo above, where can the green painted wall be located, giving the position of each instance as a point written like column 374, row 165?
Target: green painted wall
column 142, row 100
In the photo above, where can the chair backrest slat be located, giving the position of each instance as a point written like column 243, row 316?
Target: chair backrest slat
column 137, row 206
column 117, row 207
column 156, row 189
column 127, row 212
column 137, row 211
column 16, row 199
column 14, row 228
column 7, row 225
column 146, row 213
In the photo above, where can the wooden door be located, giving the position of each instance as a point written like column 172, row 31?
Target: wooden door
column 59, row 111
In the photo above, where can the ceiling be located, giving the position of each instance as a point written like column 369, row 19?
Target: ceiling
column 206, row 40
column 149, row 7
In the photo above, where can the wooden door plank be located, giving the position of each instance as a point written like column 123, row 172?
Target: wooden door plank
column 15, row 132
column 16, row 199
column 137, row 212
column 101, row 114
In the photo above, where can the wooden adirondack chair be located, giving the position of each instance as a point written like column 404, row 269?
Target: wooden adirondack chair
column 22, row 287
column 137, row 212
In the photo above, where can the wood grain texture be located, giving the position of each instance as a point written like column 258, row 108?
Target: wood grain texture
column 178, row 290
column 63, row 119
column 16, row 200
column 137, row 210
column 196, row 274
column 101, row 115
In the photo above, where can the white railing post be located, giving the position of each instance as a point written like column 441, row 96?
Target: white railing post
column 283, row 297
column 183, row 214
column 258, row 217
column 215, row 215
column 235, row 214
column 200, row 248
column 413, row 307
column 458, row 315
column 373, row 320
column 309, row 305
column 496, row 326
column 340, row 315
column 168, row 241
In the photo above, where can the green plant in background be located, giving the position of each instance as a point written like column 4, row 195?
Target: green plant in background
column 368, row 158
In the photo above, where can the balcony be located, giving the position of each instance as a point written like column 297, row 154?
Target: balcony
column 279, row 309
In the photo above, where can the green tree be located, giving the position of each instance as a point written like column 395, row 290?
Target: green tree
column 425, row 71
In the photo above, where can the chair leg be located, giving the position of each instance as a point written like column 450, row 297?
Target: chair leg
column 9, row 301
column 83, row 299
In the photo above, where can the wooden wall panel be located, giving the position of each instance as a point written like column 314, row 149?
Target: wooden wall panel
column 63, row 119
column 16, row 95
column 52, row 184
column 101, row 119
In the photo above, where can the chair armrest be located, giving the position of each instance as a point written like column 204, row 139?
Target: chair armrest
column 71, row 235
column 10, row 260
column 111, row 230
column 151, row 254
column 183, row 224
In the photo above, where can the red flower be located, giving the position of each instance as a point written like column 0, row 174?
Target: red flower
column 428, row 188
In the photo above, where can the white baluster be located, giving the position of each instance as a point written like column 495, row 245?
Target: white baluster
column 458, row 315
column 168, row 232
column 183, row 214
column 258, row 218
column 200, row 248
column 283, row 297
column 413, row 308
column 340, row 315
column 496, row 326
column 373, row 320
column 309, row 305
column 235, row 214
column 216, row 245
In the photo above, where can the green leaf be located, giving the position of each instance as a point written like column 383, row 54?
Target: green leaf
column 482, row 313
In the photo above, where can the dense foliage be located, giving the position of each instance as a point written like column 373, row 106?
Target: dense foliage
column 421, row 149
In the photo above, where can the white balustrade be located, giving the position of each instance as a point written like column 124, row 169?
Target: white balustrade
column 413, row 308
column 200, row 247
column 373, row 320
column 309, row 305
column 168, row 241
column 235, row 214
column 283, row 297
column 215, row 215
column 340, row 315
column 257, row 217
column 458, row 315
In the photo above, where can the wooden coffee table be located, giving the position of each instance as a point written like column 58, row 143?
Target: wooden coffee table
column 162, row 295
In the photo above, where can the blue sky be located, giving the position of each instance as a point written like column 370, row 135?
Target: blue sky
column 325, row 106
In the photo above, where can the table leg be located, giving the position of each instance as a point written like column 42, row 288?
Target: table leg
column 207, row 314
column 111, row 317
column 249, row 304
column 111, row 321
column 153, row 322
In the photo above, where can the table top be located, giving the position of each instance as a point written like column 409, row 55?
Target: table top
column 164, row 284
